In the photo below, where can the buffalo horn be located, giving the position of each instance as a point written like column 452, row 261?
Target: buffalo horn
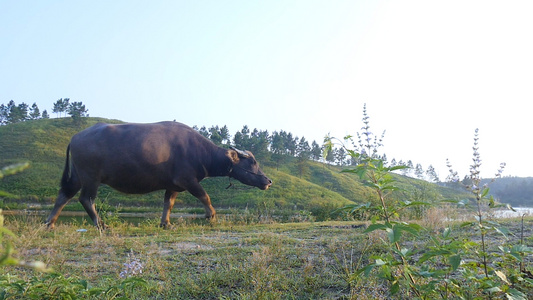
column 240, row 152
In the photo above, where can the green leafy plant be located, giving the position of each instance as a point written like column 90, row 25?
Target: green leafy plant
column 494, row 280
column 448, row 267
column 107, row 212
column 5, row 257
column 13, row 169
column 394, row 266
column 55, row 285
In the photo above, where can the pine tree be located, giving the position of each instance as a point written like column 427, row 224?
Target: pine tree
column 66, row 106
column 214, row 135
column 419, row 172
column 432, row 174
column 410, row 166
column 290, row 144
column 203, row 131
column 58, row 106
column 224, row 134
column 393, row 162
column 277, row 148
column 17, row 113
column 303, row 149
column 77, row 111
column 340, row 156
column 4, row 114
column 303, row 153
column 259, row 142
column 45, row 115
column 316, row 151
column 34, row 112
column 242, row 138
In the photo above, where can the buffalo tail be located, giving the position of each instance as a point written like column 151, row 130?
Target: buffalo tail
column 69, row 180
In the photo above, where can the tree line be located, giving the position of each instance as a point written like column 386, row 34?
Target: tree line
column 279, row 147
column 13, row 113
column 517, row 191
column 276, row 148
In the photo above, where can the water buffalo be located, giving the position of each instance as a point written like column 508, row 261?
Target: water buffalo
column 141, row 158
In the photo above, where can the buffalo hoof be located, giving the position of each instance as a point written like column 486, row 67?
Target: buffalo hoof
column 102, row 227
column 165, row 225
column 212, row 220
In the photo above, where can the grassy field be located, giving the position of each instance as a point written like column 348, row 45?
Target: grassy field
column 322, row 187
column 229, row 259
column 283, row 243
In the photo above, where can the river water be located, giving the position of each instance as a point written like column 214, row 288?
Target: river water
column 80, row 217
column 518, row 213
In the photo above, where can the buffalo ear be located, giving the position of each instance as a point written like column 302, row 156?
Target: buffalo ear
column 243, row 154
column 233, row 156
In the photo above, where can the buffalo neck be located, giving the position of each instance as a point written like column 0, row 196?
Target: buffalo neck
column 220, row 164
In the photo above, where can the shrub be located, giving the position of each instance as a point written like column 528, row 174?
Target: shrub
column 449, row 267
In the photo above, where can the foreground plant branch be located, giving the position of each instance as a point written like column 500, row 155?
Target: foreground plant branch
column 372, row 170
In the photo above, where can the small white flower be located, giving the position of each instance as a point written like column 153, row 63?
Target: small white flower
column 132, row 267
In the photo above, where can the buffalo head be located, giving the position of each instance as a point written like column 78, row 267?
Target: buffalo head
column 246, row 169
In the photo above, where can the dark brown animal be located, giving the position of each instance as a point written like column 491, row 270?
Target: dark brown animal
column 141, row 158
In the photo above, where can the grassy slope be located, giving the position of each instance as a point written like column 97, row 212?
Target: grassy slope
column 43, row 144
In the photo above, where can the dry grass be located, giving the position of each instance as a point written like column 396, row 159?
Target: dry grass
column 224, row 260
column 203, row 261
column 437, row 218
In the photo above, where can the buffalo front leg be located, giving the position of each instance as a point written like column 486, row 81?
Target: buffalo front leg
column 198, row 191
column 170, row 197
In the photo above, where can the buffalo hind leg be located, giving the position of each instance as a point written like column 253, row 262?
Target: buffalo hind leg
column 63, row 198
column 170, row 197
column 198, row 191
column 87, row 197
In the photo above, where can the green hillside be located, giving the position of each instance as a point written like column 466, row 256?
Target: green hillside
column 43, row 143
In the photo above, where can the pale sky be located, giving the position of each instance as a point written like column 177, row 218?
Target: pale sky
column 430, row 72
